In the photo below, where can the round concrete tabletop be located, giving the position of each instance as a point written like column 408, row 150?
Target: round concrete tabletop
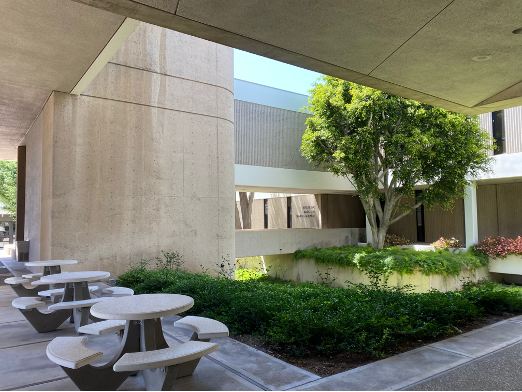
column 71, row 277
column 49, row 263
column 142, row 307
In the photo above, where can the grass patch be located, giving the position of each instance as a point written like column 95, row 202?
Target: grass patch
column 329, row 319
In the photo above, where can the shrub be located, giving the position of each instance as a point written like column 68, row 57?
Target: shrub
column 499, row 247
column 445, row 243
column 378, row 264
column 395, row 240
column 329, row 319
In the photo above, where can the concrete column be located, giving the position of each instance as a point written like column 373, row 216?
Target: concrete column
column 20, row 193
column 11, row 232
column 368, row 231
column 141, row 162
column 470, row 215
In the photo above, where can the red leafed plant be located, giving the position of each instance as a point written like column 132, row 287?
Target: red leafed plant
column 395, row 240
column 499, row 247
column 445, row 243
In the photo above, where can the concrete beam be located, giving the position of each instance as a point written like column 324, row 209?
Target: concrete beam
column 119, row 37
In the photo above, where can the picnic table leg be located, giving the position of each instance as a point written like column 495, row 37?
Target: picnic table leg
column 152, row 338
column 22, row 291
column 104, row 378
column 188, row 368
column 80, row 316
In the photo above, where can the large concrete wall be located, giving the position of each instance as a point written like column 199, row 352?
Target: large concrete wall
column 143, row 160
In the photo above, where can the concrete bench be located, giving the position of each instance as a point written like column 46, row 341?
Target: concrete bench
column 15, row 280
column 118, row 291
column 172, row 360
column 204, row 328
column 31, row 276
column 102, row 327
column 55, row 292
column 25, row 303
column 70, row 352
column 86, row 303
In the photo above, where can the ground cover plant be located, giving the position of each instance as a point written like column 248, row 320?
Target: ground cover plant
column 379, row 264
column 319, row 317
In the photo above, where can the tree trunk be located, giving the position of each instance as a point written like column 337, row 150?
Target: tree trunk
column 379, row 237
column 246, row 202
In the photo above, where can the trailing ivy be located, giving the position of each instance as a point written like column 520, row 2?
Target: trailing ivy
column 379, row 264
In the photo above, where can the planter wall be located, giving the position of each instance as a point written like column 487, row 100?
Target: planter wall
column 306, row 271
column 510, row 265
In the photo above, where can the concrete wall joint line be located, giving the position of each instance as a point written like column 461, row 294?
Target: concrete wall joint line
column 159, row 107
column 171, row 76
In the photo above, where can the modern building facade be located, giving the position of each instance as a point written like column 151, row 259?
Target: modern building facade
column 124, row 132
column 267, row 149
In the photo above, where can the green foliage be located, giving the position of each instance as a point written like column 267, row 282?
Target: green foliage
column 379, row 264
column 494, row 298
column 330, row 319
column 385, row 145
column 8, row 186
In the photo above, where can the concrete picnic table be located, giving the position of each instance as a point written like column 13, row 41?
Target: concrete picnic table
column 76, row 301
column 142, row 332
column 49, row 267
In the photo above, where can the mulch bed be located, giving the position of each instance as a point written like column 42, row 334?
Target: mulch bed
column 325, row 366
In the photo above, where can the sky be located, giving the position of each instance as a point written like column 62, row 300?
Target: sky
column 261, row 70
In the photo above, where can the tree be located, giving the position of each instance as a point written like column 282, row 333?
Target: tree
column 8, row 186
column 246, row 201
column 385, row 145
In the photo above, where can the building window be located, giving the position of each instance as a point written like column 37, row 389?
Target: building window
column 421, row 230
column 266, row 213
column 499, row 131
column 288, row 212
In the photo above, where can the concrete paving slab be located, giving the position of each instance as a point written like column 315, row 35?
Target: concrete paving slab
column 25, row 365
column 22, row 333
column 389, row 374
column 10, row 314
column 262, row 368
column 499, row 371
column 482, row 341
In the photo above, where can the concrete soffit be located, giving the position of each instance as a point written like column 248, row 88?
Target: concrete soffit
column 426, row 56
column 119, row 37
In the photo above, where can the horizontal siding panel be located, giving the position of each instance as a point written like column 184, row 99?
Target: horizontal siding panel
column 268, row 136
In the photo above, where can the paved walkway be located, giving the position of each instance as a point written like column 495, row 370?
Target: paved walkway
column 485, row 359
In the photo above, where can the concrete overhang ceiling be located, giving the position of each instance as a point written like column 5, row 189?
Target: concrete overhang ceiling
column 45, row 45
column 418, row 49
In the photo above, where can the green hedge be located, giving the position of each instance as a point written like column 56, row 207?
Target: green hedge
column 382, row 262
column 330, row 319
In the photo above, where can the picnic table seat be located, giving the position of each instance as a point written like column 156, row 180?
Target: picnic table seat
column 60, row 291
column 15, row 280
column 70, row 352
column 25, row 303
column 204, row 328
column 172, row 360
column 164, row 357
column 102, row 327
column 31, row 276
column 117, row 291
column 86, row 303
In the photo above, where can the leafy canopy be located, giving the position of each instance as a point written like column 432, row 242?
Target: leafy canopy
column 385, row 145
column 8, row 186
